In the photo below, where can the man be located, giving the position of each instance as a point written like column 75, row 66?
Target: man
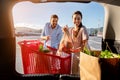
column 52, row 32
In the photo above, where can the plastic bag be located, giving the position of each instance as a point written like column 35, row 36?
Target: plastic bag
column 66, row 43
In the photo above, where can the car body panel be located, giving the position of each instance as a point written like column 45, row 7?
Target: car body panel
column 7, row 34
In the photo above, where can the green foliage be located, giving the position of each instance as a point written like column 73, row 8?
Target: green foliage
column 42, row 49
column 103, row 54
column 87, row 51
column 106, row 54
column 46, row 50
column 118, row 55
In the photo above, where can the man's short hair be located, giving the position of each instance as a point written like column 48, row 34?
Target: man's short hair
column 54, row 16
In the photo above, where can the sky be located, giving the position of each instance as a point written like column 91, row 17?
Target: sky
column 34, row 15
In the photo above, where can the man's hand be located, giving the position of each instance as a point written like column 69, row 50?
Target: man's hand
column 47, row 38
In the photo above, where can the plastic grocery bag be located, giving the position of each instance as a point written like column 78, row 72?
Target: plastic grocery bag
column 65, row 43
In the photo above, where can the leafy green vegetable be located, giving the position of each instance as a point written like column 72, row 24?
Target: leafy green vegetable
column 106, row 54
column 103, row 54
column 87, row 51
column 42, row 49
column 118, row 55
column 46, row 50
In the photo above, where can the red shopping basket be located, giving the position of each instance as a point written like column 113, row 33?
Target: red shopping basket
column 35, row 62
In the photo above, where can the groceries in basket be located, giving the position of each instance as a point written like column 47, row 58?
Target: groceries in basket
column 35, row 62
column 42, row 49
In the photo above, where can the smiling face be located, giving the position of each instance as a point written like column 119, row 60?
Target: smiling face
column 54, row 22
column 76, row 19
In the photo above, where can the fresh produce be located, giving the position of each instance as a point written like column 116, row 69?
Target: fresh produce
column 42, row 49
column 103, row 54
column 87, row 51
column 108, row 54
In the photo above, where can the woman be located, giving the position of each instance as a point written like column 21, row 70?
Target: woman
column 78, row 37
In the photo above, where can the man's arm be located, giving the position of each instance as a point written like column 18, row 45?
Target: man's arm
column 43, row 35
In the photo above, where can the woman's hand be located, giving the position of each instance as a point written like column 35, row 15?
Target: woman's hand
column 70, row 50
column 65, row 28
column 77, row 50
column 64, row 49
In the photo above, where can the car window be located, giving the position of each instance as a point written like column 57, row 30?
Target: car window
column 30, row 18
